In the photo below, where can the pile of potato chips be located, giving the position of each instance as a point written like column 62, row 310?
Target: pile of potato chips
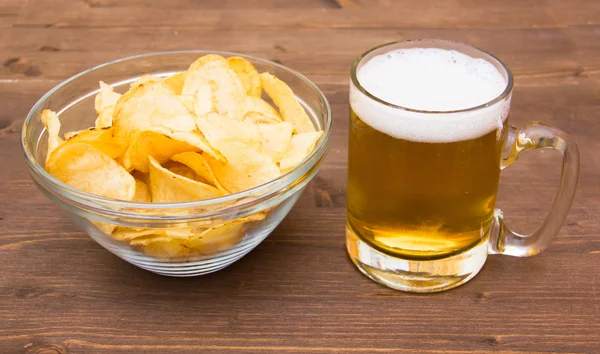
column 198, row 134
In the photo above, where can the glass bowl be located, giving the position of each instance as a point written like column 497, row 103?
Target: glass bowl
column 263, row 206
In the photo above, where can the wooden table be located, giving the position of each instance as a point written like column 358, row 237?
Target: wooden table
column 298, row 292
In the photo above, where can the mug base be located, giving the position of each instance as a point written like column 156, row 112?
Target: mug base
column 419, row 276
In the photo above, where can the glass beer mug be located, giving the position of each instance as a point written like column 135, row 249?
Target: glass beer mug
column 429, row 136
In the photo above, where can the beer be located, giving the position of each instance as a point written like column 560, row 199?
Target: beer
column 423, row 165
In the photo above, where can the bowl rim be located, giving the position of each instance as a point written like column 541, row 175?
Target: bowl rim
column 257, row 192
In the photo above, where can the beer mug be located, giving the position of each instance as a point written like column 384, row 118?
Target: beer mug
column 429, row 135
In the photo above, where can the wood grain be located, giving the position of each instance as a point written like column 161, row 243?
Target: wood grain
column 297, row 292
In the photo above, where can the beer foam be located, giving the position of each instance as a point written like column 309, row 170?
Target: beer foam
column 434, row 80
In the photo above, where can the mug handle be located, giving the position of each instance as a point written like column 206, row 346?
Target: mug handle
column 535, row 135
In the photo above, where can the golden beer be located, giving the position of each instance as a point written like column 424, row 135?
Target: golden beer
column 421, row 200
column 428, row 137
column 428, row 125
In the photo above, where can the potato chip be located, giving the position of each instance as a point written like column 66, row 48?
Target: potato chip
column 148, row 144
column 209, row 60
column 168, row 187
column 219, row 238
column 276, row 138
column 300, row 147
column 89, row 135
column 129, row 233
column 195, row 139
column 228, row 95
column 246, row 168
column 104, row 227
column 183, row 170
column 199, row 165
column 258, row 105
column 70, row 135
column 102, row 139
column 188, row 101
column 105, row 105
column 52, row 124
column 247, row 74
column 259, row 118
column 144, row 177
column 84, row 167
column 167, row 249
column 152, row 238
column 150, row 105
column 182, row 232
column 175, row 82
column 203, row 103
column 142, row 193
column 284, row 98
column 220, row 132
column 145, row 236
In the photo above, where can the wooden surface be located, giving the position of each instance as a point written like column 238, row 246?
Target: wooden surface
column 298, row 292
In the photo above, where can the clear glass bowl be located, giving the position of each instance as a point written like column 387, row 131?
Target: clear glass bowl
column 73, row 100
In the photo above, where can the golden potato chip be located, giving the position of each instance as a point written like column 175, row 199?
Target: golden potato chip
column 142, row 193
column 145, row 236
column 70, row 135
column 187, row 172
column 147, row 144
column 52, row 124
column 150, row 105
column 102, row 139
column 122, row 233
column 276, row 138
column 105, row 105
column 220, row 131
column 104, row 227
column 166, row 249
column 247, row 74
column 284, row 98
column 144, row 177
column 182, row 232
column 182, row 170
column 258, row 105
column 228, row 95
column 259, row 118
column 300, row 147
column 175, row 82
column 166, row 186
column 195, row 139
column 246, row 168
column 89, row 135
column 188, row 101
column 200, row 102
column 203, row 103
column 209, row 60
column 219, row 238
column 199, row 165
column 84, row 167
column 152, row 238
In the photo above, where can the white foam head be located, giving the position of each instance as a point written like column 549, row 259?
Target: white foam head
column 434, row 80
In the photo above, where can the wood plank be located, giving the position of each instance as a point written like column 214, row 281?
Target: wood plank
column 587, row 47
column 576, row 12
column 407, row 14
column 213, row 4
column 57, row 53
